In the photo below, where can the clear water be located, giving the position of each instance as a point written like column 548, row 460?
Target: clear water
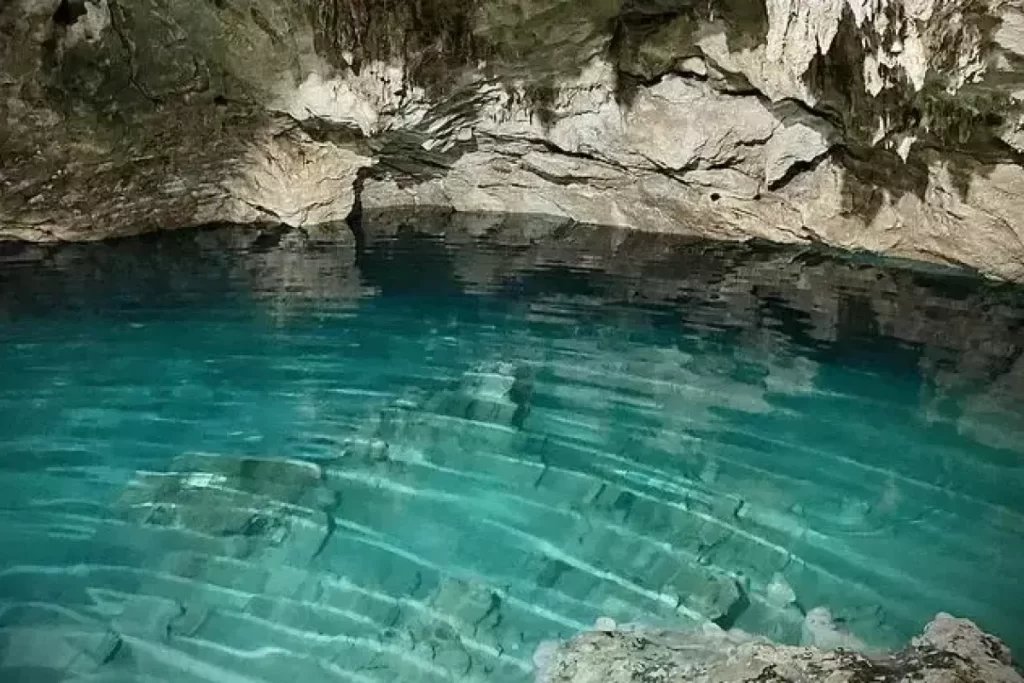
column 273, row 465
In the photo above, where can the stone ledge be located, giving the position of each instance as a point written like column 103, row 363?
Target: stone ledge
column 950, row 650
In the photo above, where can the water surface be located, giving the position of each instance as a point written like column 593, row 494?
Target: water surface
column 270, row 463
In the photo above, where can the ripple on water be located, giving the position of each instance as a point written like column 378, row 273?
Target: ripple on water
column 273, row 466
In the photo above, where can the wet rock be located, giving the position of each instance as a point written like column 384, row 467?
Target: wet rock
column 962, row 637
column 950, row 651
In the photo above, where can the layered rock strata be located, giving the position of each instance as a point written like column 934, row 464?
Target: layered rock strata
column 892, row 126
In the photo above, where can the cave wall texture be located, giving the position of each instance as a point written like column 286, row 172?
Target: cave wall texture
column 892, row 126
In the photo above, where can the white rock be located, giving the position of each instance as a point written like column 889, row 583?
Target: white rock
column 698, row 656
column 820, row 631
column 779, row 592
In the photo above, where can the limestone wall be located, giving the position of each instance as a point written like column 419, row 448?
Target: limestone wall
column 892, row 126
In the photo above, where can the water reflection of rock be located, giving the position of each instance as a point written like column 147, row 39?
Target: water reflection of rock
column 285, row 270
column 984, row 403
column 792, row 311
column 967, row 336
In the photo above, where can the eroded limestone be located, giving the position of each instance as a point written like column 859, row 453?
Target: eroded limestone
column 891, row 126
column 949, row 651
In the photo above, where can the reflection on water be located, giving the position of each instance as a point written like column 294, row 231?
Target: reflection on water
column 228, row 460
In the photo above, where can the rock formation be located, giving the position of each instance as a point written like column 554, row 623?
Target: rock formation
column 892, row 126
column 950, row 650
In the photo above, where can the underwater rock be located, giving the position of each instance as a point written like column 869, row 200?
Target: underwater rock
column 252, row 505
column 471, row 602
column 718, row 598
column 498, row 392
column 70, row 650
column 821, row 631
column 779, row 592
column 949, row 651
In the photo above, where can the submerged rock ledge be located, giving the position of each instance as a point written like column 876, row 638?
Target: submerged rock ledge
column 889, row 126
column 949, row 651
column 733, row 553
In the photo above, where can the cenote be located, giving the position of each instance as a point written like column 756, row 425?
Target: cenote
column 238, row 459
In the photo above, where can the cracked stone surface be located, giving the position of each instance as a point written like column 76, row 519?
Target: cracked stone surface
column 950, row 650
column 892, row 126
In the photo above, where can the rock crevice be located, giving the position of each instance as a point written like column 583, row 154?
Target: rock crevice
column 949, row 651
column 889, row 126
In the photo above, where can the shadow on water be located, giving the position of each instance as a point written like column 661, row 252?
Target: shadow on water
column 227, row 451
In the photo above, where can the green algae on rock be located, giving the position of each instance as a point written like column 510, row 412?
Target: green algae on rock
column 887, row 126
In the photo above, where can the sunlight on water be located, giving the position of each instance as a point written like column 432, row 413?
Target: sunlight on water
column 276, row 465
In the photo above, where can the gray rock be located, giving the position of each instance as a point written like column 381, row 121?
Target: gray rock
column 892, row 126
column 949, row 651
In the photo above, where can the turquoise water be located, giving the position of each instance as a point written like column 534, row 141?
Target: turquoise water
column 275, row 465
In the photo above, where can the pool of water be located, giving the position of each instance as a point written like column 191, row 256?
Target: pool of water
column 232, row 461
